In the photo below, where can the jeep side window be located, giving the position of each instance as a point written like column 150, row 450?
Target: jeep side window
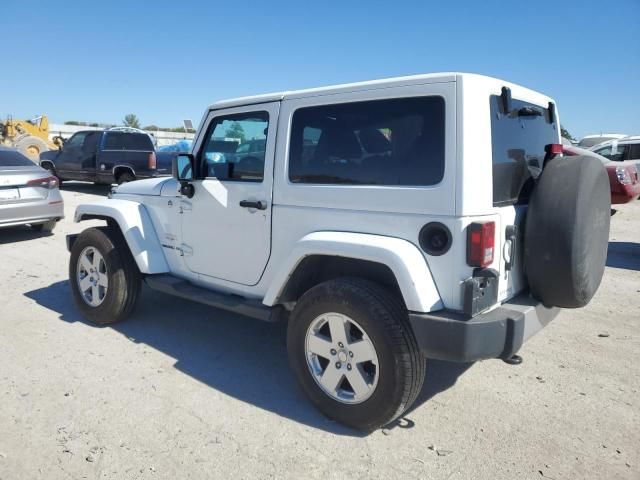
column 234, row 148
column 381, row 142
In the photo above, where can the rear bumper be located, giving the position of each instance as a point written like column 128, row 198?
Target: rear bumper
column 21, row 213
column 497, row 334
column 625, row 193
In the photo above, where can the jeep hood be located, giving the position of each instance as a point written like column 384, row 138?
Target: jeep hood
column 150, row 186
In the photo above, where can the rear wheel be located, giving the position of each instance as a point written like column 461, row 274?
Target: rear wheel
column 44, row 227
column 104, row 277
column 354, row 353
column 125, row 177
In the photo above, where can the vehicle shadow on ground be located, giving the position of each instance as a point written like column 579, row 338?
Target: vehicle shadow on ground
column 86, row 187
column 238, row 356
column 624, row 255
column 20, row 234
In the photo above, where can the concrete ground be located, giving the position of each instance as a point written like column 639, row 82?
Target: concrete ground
column 184, row 391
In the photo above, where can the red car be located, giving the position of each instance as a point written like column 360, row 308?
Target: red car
column 623, row 177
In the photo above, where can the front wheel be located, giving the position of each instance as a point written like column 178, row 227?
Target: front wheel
column 105, row 280
column 354, row 353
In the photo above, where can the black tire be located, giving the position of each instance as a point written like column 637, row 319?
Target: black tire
column 567, row 231
column 122, row 272
column 44, row 227
column 125, row 177
column 383, row 317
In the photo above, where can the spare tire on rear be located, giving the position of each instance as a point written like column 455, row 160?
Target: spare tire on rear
column 567, row 231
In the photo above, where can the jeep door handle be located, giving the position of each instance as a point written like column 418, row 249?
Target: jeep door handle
column 259, row 205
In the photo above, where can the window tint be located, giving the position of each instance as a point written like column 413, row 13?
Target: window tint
column 518, row 140
column 128, row 141
column 13, row 158
column 634, row 152
column 76, row 140
column 615, row 152
column 382, row 142
column 90, row 144
column 235, row 147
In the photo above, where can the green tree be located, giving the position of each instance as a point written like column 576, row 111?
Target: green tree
column 151, row 127
column 131, row 120
column 235, row 131
column 565, row 133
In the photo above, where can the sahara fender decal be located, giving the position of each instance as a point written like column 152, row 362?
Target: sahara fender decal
column 137, row 228
column 402, row 257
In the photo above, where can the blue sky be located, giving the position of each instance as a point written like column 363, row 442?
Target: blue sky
column 166, row 60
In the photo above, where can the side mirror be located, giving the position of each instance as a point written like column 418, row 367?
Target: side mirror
column 182, row 167
column 182, row 170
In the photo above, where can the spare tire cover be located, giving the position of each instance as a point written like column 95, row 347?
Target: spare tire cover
column 567, row 231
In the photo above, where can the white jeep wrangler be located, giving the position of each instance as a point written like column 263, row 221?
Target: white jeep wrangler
column 387, row 221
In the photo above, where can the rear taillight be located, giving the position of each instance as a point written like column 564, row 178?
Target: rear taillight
column 624, row 177
column 152, row 161
column 45, row 182
column 552, row 150
column 480, row 244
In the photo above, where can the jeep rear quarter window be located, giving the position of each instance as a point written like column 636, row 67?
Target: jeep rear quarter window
column 381, row 142
column 518, row 140
column 128, row 141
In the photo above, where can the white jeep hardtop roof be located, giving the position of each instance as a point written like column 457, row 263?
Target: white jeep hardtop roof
column 347, row 87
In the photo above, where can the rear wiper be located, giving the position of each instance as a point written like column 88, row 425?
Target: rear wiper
column 529, row 112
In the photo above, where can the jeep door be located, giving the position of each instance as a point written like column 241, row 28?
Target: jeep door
column 226, row 225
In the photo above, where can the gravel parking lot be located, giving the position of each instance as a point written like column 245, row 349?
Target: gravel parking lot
column 181, row 390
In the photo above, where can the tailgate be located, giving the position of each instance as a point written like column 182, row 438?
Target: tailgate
column 520, row 132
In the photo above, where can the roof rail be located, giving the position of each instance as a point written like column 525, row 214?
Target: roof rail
column 133, row 130
column 126, row 129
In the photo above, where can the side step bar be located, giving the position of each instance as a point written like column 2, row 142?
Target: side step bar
column 234, row 303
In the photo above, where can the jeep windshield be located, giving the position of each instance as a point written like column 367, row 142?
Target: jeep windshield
column 518, row 140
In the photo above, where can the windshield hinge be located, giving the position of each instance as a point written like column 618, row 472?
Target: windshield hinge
column 184, row 207
column 505, row 95
column 185, row 250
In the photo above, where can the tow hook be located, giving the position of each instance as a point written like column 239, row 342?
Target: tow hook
column 513, row 360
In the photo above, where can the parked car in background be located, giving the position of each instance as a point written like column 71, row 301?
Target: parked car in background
column 625, row 149
column 166, row 154
column 183, row 146
column 593, row 140
column 623, row 176
column 29, row 195
column 103, row 156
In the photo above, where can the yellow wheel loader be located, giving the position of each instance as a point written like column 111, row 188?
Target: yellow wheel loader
column 30, row 137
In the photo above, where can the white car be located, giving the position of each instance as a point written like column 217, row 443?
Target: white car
column 384, row 220
column 626, row 149
column 29, row 195
column 593, row 140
